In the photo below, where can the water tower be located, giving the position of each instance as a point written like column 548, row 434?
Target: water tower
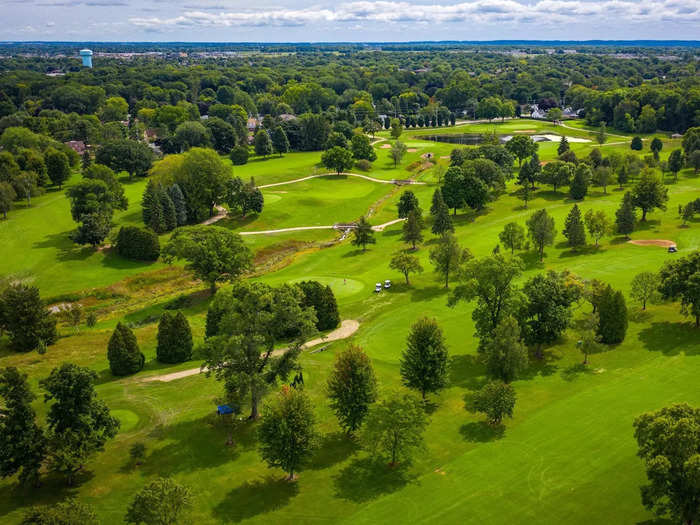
column 86, row 55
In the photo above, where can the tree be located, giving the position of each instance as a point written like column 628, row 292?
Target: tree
column 612, row 312
column 213, row 253
column 680, row 280
column 361, row 148
column 323, row 301
column 78, row 423
column 93, row 229
column 26, row 318
column 644, row 288
column 351, row 388
column 580, row 182
column 598, row 224
column 505, row 354
column 245, row 197
column 337, row 159
column 475, row 192
column 522, row 146
column 162, row 502
column 512, row 236
column 442, row 223
column 123, row 352
column 397, row 152
column 174, row 338
column 602, row 176
column 396, row 128
column 243, row 326
column 602, row 135
column 588, row 338
column 239, row 155
column 192, row 134
column 22, row 442
column 223, row 135
column 625, row 216
column 669, row 445
column 563, row 145
column 448, row 256
column 489, row 282
column 138, row 244
column 406, row 264
column 57, row 167
column 574, row 230
column 636, row 144
column 7, row 196
column 125, row 155
column 649, row 193
column 66, row 512
column 287, row 433
column 394, row 427
column 547, row 309
column 407, row 203
column 554, row 114
column 556, row 173
column 541, row 230
column 364, row 234
column 694, row 161
column 280, row 142
column 424, row 360
column 656, row 146
column 412, row 228
column 262, row 143
column 676, row 162
column 496, row 400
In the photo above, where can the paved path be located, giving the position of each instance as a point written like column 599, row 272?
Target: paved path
column 221, row 212
column 377, row 228
column 345, row 330
column 371, row 179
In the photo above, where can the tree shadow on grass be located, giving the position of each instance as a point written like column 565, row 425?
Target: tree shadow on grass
column 621, row 239
column 589, row 249
column 531, row 259
column 671, row 338
column 333, row 449
column 354, row 253
column 543, row 366
column 53, row 490
column 647, row 225
column 481, row 431
column 195, row 445
column 467, row 371
column 574, row 371
column 253, row 498
column 67, row 250
column 366, row 479
column 427, row 293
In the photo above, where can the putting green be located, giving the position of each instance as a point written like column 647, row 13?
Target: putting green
column 128, row 419
column 341, row 287
column 272, row 197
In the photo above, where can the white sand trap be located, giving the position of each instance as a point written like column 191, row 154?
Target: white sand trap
column 525, row 131
column 385, row 146
column 411, row 150
column 557, row 138
column 653, row 242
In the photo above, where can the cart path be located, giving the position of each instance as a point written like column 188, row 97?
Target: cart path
column 221, row 212
column 628, row 139
column 371, row 179
column 377, row 228
column 345, row 330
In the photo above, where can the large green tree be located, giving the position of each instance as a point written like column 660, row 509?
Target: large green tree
column 541, row 230
column 625, row 216
column 612, row 313
column 442, row 223
column 351, row 387
column 174, row 338
column 406, row 264
column 123, row 352
column 574, row 229
column 512, row 236
column 424, row 360
column 162, row 502
column 680, row 281
column 26, row 318
column 448, row 256
column 125, row 155
column 496, row 400
column 505, row 354
column 649, row 193
column 363, row 234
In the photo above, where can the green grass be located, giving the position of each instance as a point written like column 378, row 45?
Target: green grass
column 568, row 455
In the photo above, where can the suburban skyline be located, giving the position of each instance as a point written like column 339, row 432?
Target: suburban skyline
column 354, row 21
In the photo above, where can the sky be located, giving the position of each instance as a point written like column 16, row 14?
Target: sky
column 348, row 21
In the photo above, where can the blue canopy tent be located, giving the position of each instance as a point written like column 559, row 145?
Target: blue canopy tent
column 223, row 410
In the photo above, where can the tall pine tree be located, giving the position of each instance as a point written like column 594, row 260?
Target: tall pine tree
column 625, row 216
column 612, row 313
column 169, row 213
column 442, row 222
column 174, row 338
column 574, row 229
column 123, row 352
column 180, row 204
column 412, row 228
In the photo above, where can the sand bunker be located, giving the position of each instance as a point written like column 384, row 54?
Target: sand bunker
column 557, row 138
column 525, row 131
column 445, row 157
column 653, row 242
column 411, row 150
column 385, row 146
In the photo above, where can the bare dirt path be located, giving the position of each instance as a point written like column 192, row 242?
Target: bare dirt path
column 345, row 330
column 653, row 242
column 371, row 179
column 220, row 214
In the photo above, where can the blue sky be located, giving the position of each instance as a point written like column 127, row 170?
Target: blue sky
column 366, row 20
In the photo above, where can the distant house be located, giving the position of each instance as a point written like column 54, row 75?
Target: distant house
column 571, row 113
column 536, row 112
column 253, row 123
column 676, row 136
column 77, row 145
column 285, row 117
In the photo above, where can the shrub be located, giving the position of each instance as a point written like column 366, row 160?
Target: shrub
column 123, row 352
column 137, row 243
column 239, row 155
column 363, row 165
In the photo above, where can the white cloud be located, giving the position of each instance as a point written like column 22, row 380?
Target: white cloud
column 545, row 12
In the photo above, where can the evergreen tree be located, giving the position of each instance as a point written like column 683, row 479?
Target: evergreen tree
column 280, row 142
column 364, row 234
column 169, row 213
column 442, row 222
column 574, row 229
column 407, row 202
column 612, row 312
column 563, row 146
column 174, row 338
column 148, row 201
column 579, row 184
column 86, row 160
column 156, row 214
column 123, row 352
column 625, row 216
column 352, row 388
column 424, row 361
column 180, row 204
column 262, row 143
column 504, row 353
column 324, row 303
column 26, row 318
column 412, row 229
column 22, row 442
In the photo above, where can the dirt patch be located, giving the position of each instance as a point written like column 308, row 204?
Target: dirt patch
column 525, row 131
column 653, row 242
column 412, row 150
column 385, row 146
column 445, row 157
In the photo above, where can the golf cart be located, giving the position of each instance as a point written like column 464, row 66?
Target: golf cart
column 387, row 284
column 377, row 287
column 672, row 249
